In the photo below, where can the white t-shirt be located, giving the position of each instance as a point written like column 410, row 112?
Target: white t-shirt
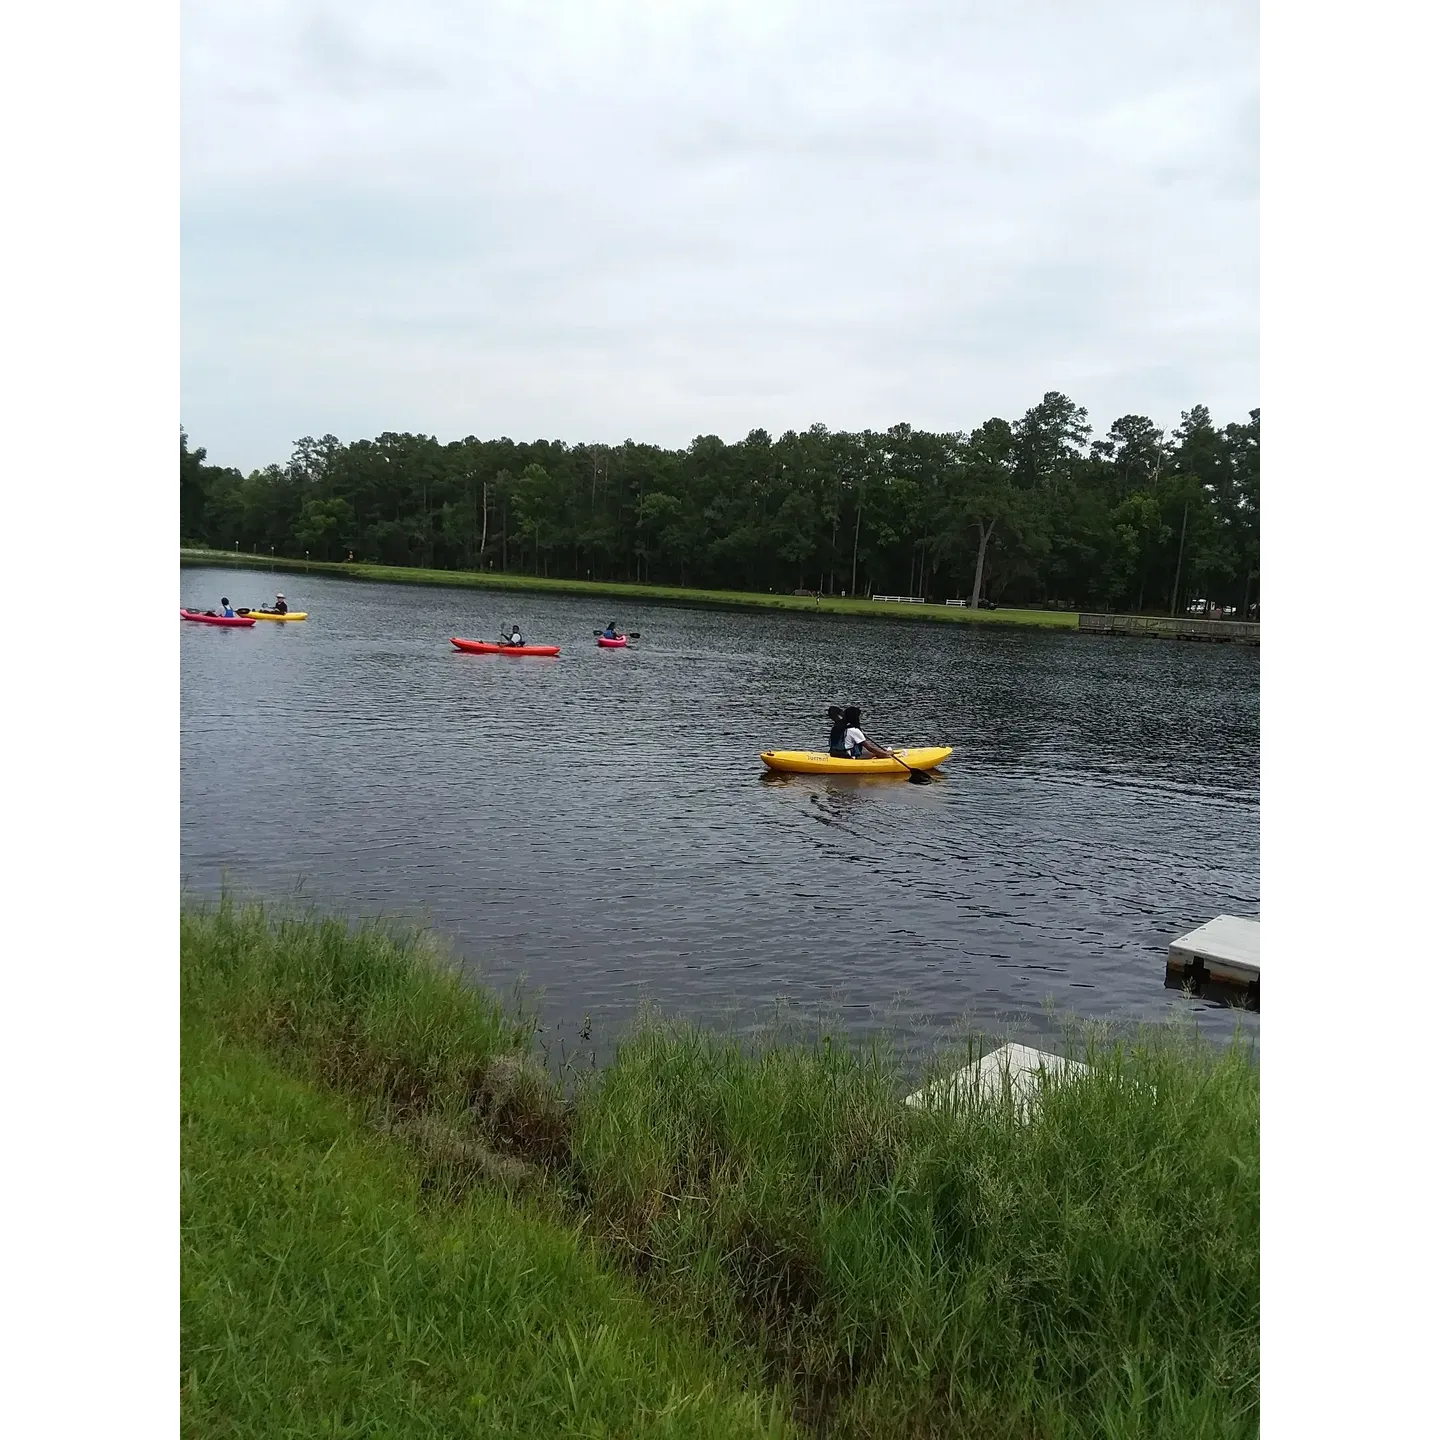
column 854, row 736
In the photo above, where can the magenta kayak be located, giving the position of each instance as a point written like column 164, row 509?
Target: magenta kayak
column 618, row 643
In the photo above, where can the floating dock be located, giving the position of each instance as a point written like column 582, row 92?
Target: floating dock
column 1012, row 1071
column 1224, row 950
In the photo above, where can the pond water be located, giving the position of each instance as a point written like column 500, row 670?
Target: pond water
column 600, row 825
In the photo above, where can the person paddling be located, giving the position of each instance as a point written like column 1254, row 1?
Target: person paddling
column 225, row 609
column 279, row 606
column 512, row 636
column 610, row 631
column 855, row 743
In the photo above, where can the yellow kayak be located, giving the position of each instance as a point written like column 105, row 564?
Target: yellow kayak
column 817, row 762
column 275, row 614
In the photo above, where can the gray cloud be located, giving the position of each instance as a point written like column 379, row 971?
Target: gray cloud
column 610, row 218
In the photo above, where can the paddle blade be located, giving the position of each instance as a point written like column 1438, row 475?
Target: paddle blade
column 919, row 777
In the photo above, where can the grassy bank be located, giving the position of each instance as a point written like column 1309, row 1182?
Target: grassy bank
column 1091, row 1272
column 326, row 1293
column 648, row 594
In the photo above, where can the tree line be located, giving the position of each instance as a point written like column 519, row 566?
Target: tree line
column 1033, row 511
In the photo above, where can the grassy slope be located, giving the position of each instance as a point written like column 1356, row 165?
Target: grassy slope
column 325, row 1294
column 1093, row 1272
column 650, row 594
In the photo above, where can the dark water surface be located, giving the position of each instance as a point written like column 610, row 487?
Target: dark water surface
column 599, row 823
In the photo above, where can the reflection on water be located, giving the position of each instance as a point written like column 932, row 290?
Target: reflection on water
column 601, row 823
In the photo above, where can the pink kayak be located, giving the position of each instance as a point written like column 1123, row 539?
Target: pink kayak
column 485, row 647
column 201, row 618
column 618, row 643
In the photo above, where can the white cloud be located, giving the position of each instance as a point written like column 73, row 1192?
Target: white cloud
column 592, row 220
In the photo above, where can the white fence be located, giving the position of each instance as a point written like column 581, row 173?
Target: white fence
column 901, row 599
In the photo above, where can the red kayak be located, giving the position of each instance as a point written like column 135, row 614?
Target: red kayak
column 618, row 643
column 201, row 618
column 484, row 647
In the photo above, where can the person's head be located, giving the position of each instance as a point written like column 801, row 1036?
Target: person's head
column 224, row 600
column 279, row 597
column 852, row 715
column 835, row 714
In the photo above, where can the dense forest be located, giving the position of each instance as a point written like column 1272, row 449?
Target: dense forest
column 1035, row 511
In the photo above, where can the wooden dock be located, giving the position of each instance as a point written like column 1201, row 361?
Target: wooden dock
column 1225, row 951
column 1173, row 627
column 1012, row 1073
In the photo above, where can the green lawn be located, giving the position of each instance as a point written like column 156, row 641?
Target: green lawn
column 374, row 1261
column 658, row 594
column 325, row 1293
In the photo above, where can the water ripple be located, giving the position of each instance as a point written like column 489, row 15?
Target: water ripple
column 600, row 824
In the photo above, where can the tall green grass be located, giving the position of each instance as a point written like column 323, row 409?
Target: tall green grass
column 364, row 1011
column 1090, row 1271
column 1090, row 1268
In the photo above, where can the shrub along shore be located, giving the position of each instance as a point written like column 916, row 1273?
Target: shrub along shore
column 645, row 594
column 396, row 1221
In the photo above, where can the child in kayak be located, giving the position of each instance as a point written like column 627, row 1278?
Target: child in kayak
column 837, row 733
column 610, row 631
column 512, row 636
column 225, row 609
column 856, row 745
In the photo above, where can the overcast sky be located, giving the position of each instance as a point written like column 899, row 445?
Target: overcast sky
column 658, row 219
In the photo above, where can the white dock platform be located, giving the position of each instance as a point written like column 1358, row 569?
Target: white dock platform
column 1012, row 1069
column 1226, row 948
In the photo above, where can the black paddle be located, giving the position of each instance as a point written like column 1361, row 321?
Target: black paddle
column 917, row 777
column 628, row 635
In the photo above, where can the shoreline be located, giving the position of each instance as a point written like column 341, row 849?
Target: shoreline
column 1058, row 620
column 814, row 1245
